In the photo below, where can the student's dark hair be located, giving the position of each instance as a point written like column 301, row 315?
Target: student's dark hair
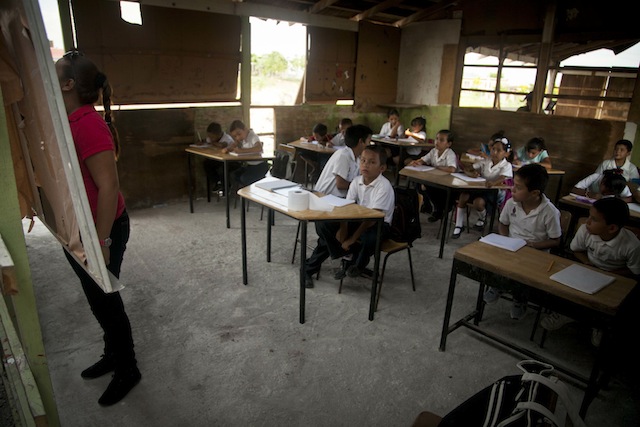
column 615, row 211
column 237, row 124
column 419, row 121
column 355, row 133
column 535, row 176
column 614, row 181
column 393, row 112
column 497, row 135
column 447, row 132
column 536, row 143
column 214, row 128
column 382, row 154
column 346, row 121
column 90, row 83
column 626, row 143
column 320, row 129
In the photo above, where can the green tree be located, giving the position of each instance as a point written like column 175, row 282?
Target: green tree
column 272, row 64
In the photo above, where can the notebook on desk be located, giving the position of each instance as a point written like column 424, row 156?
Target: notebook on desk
column 234, row 153
column 276, row 184
column 509, row 243
column 582, row 278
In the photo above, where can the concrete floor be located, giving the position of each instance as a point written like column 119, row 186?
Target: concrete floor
column 215, row 352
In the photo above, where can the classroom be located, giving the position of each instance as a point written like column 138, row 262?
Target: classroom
column 225, row 332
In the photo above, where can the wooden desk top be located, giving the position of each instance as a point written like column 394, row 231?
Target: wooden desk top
column 464, row 158
column 529, row 266
column 216, row 154
column 404, row 142
column 309, row 146
column 445, row 179
column 278, row 203
column 571, row 200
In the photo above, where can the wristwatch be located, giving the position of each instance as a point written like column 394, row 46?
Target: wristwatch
column 106, row 242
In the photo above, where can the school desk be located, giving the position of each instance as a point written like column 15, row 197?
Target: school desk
column 531, row 269
column 218, row 155
column 444, row 180
column 301, row 145
column 402, row 144
column 276, row 202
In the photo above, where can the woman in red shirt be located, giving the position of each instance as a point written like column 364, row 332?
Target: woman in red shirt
column 97, row 147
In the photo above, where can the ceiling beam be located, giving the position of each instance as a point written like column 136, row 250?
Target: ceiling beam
column 376, row 9
column 424, row 13
column 322, row 4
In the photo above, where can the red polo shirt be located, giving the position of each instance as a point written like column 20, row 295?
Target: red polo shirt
column 91, row 135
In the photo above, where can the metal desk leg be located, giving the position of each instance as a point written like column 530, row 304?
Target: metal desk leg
column 447, row 311
column 189, row 183
column 559, row 189
column 303, row 266
column 445, row 221
column 400, row 165
column 493, row 214
column 269, row 222
column 376, row 266
column 593, row 385
column 243, row 227
column 227, row 185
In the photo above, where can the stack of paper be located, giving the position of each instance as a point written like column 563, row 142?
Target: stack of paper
column 275, row 184
column 582, row 278
column 337, row 201
column 235, row 153
column 509, row 243
column 467, row 178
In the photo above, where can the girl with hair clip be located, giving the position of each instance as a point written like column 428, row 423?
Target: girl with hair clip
column 96, row 144
column 534, row 151
column 485, row 147
column 496, row 169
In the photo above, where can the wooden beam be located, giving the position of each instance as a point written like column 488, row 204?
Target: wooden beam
column 424, row 13
column 375, row 9
column 322, row 4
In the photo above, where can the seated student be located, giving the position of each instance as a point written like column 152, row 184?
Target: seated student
column 485, row 147
column 338, row 139
column 443, row 158
column 358, row 238
column 246, row 141
column 528, row 215
column 620, row 160
column 319, row 135
column 392, row 129
column 342, row 166
column 610, row 183
column 495, row 170
column 214, row 169
column 534, row 151
column 605, row 243
column 417, row 132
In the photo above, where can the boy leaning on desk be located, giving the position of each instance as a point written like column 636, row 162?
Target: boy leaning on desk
column 604, row 242
column 355, row 241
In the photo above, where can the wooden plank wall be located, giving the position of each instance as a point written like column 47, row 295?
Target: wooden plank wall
column 575, row 145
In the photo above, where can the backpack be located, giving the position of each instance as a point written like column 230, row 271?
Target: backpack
column 280, row 168
column 405, row 225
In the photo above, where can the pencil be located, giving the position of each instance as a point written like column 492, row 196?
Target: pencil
column 550, row 265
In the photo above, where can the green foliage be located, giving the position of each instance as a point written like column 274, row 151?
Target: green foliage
column 271, row 64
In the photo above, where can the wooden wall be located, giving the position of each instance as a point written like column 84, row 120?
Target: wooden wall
column 575, row 145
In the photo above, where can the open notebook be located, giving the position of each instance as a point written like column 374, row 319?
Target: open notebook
column 582, row 278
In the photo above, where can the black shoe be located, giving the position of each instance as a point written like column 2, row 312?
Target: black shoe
column 103, row 366
column 354, row 271
column 308, row 281
column 120, row 385
column 436, row 216
column 341, row 273
column 457, row 235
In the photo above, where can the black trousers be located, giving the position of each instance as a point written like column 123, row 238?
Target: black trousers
column 108, row 308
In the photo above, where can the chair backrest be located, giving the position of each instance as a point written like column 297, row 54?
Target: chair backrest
column 405, row 225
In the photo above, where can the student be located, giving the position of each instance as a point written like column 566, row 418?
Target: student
column 212, row 168
column 417, row 132
column 442, row 158
column 529, row 106
column 485, row 147
column 607, row 184
column 620, row 160
column 337, row 239
column 528, row 215
column 342, row 166
column 392, row 129
column 605, row 243
column 96, row 144
column 534, row 151
column 338, row 139
column 495, row 170
column 246, row 141
column 319, row 133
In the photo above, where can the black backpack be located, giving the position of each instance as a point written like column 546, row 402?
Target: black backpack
column 280, row 164
column 405, row 225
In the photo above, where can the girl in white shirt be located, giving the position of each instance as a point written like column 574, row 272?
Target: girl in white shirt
column 417, row 132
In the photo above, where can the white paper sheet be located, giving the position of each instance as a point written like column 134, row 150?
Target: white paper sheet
column 467, row 178
column 421, row 168
column 634, row 207
column 509, row 243
column 337, row 201
column 318, row 204
column 582, row 278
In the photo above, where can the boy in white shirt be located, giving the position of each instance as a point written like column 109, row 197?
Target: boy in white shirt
column 218, row 138
column 609, row 183
column 337, row 239
column 528, row 215
column 245, row 140
column 338, row 139
column 342, row 166
column 620, row 160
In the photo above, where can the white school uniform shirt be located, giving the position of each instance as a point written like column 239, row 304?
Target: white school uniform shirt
column 619, row 252
column 491, row 172
column 629, row 170
column 592, row 185
column 446, row 159
column 386, row 130
column 414, row 151
column 249, row 142
column 225, row 139
column 342, row 163
column 541, row 223
column 377, row 195
column 338, row 140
